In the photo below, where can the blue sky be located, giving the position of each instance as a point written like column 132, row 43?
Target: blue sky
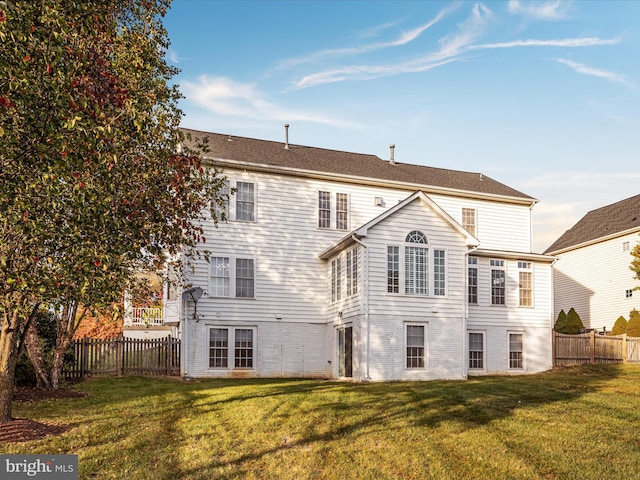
column 541, row 95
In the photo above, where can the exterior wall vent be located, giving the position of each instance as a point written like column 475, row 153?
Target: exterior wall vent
column 379, row 201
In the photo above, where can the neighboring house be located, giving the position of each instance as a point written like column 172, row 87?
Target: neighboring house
column 592, row 273
column 343, row 265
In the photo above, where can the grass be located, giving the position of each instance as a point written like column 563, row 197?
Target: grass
column 574, row 423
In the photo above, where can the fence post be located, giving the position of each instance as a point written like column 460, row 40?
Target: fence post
column 554, row 335
column 84, row 367
column 624, row 348
column 592, row 342
column 119, row 355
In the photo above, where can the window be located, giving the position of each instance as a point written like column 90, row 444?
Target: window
column 352, row 272
column 415, row 346
column 472, row 282
column 414, row 274
column 218, row 347
column 228, row 271
column 324, row 209
column 628, row 293
column 220, row 276
column 245, row 201
column 625, row 246
column 515, row 350
column 438, row 272
column 476, row 350
column 221, row 203
column 244, row 278
column 336, row 279
column 525, row 291
column 243, row 348
column 393, row 269
column 469, row 220
column 416, row 265
column 498, row 283
column 342, row 211
column 240, row 356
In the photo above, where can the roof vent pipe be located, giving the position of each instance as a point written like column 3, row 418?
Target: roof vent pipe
column 286, row 136
column 392, row 160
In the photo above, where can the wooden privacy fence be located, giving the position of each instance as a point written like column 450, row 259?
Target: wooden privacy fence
column 123, row 356
column 592, row 348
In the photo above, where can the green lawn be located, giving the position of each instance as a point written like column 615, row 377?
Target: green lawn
column 580, row 423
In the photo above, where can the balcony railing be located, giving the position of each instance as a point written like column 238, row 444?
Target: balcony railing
column 146, row 317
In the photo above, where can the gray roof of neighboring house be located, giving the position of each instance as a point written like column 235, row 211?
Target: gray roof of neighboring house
column 602, row 222
column 363, row 166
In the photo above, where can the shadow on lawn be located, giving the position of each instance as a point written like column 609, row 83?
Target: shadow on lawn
column 364, row 409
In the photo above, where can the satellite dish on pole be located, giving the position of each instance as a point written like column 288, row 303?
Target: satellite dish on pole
column 193, row 294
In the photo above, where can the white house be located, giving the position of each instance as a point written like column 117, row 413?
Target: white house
column 343, row 265
column 592, row 272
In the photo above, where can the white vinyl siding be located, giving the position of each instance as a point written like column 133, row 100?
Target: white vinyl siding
column 594, row 280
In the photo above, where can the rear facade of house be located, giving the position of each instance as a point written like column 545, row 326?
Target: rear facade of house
column 344, row 265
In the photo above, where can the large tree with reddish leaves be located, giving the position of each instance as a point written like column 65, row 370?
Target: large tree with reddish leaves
column 92, row 185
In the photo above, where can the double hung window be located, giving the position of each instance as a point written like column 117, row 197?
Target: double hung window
column 232, row 277
column 231, row 347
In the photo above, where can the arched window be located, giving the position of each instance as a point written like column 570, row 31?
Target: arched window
column 416, row 265
column 416, row 237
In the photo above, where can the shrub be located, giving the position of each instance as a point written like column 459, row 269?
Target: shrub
column 633, row 326
column 620, row 326
column 574, row 324
column 561, row 322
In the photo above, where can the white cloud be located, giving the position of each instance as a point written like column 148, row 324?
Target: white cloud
column 595, row 72
column 545, row 10
column 564, row 42
column 451, row 47
column 403, row 39
column 225, row 97
column 173, row 56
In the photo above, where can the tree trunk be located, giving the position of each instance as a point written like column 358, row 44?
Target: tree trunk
column 34, row 350
column 68, row 323
column 62, row 344
column 9, row 341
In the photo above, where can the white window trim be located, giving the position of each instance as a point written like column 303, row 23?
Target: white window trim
column 533, row 284
column 430, row 274
column 424, row 345
column 503, row 268
column 233, row 200
column 333, row 210
column 232, row 276
column 484, row 351
column 475, row 220
column 524, row 357
column 231, row 354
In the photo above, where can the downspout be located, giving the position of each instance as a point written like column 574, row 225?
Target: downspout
column 365, row 300
column 185, row 338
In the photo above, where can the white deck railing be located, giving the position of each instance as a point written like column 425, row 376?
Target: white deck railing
column 146, row 316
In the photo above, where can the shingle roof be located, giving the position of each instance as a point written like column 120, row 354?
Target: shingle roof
column 602, row 222
column 364, row 166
